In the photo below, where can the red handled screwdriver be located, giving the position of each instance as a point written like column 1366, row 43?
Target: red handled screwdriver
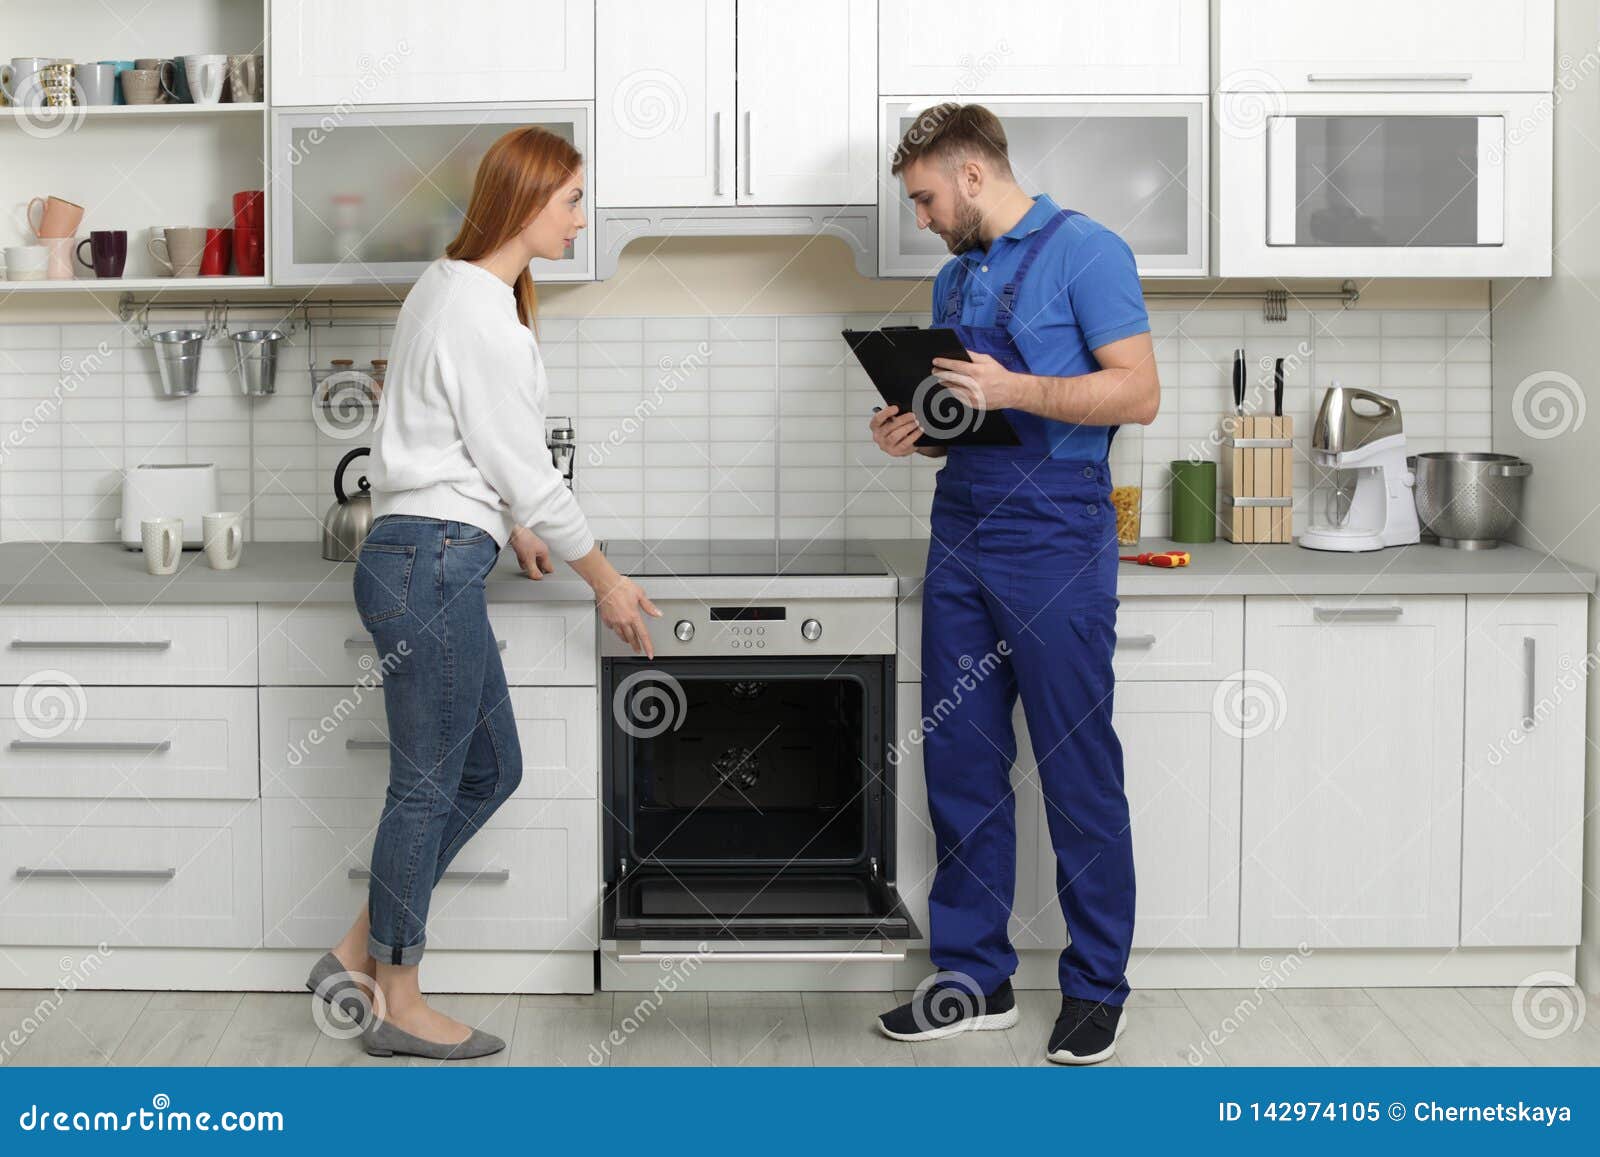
column 1166, row 558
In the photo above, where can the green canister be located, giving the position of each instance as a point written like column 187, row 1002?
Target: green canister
column 1194, row 501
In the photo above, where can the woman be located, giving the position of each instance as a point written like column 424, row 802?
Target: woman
column 459, row 468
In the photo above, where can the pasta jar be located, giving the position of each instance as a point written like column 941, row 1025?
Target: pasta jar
column 1127, row 482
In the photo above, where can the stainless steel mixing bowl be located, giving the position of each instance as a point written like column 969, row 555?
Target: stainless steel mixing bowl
column 1469, row 500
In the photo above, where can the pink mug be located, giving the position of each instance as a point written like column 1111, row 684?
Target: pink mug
column 57, row 218
column 59, row 265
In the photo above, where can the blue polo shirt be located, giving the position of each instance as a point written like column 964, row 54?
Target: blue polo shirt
column 1081, row 293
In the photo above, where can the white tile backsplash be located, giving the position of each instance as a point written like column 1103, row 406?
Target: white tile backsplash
column 743, row 427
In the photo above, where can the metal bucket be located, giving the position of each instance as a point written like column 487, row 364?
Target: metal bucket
column 257, row 352
column 178, row 360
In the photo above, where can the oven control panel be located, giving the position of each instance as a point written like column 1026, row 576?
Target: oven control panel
column 766, row 627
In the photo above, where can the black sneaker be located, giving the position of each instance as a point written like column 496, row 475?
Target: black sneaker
column 1086, row 1032
column 948, row 1003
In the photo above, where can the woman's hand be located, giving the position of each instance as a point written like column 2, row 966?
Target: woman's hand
column 532, row 554
column 619, row 605
column 895, row 433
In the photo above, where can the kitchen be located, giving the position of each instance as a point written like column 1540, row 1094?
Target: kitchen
column 198, row 741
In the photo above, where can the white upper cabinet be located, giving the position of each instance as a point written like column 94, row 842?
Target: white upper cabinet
column 1393, row 45
column 1034, row 48
column 422, row 51
column 807, row 98
column 664, row 107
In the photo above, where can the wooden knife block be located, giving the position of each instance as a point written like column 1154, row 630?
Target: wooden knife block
column 1255, row 478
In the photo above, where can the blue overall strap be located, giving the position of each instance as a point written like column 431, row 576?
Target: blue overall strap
column 1008, row 294
column 952, row 297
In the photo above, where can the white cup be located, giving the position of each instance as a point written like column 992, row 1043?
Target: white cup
column 222, row 534
column 205, row 74
column 27, row 262
column 163, row 544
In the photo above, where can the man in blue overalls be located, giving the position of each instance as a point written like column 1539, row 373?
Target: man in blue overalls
column 1020, row 593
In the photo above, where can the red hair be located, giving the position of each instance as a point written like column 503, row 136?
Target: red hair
column 515, row 181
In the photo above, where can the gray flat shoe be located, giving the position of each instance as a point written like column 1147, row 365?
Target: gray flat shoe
column 385, row 1040
column 330, row 980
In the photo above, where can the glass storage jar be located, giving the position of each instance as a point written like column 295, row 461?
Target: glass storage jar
column 1127, row 482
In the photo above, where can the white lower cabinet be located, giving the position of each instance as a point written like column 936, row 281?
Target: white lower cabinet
column 1522, row 802
column 124, row 645
column 65, row 741
column 131, row 873
column 1352, row 718
column 327, row 743
column 529, row 879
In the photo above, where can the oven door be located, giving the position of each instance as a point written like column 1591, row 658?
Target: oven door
column 750, row 805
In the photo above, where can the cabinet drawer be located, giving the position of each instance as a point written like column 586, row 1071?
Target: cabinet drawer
column 139, row 742
column 131, row 873
column 540, row 643
column 129, row 644
column 324, row 743
column 530, row 879
column 1172, row 638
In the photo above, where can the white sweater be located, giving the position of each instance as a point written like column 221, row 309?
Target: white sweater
column 460, row 427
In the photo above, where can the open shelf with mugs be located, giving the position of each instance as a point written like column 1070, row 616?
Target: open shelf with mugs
column 140, row 137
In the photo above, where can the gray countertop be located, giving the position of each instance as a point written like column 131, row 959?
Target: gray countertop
column 294, row 572
column 1226, row 568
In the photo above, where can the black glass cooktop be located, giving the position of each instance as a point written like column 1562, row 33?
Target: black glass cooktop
column 729, row 557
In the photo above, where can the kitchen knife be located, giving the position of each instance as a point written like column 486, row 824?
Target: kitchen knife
column 1277, row 389
column 1238, row 381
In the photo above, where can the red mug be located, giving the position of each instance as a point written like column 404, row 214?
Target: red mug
column 248, row 253
column 214, row 259
column 247, row 209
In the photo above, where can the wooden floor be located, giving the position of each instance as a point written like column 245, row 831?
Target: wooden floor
column 1373, row 1026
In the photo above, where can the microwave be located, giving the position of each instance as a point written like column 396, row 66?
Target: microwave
column 1386, row 185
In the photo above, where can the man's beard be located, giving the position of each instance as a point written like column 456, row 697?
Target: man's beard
column 966, row 234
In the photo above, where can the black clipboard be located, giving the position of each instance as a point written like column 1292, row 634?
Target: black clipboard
column 899, row 360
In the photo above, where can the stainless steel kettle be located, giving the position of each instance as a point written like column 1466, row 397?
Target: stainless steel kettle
column 350, row 517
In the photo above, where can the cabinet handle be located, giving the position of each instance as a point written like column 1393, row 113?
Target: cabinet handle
column 628, row 952
column 487, row 876
column 1137, row 642
column 749, row 161
column 1528, row 691
column 1355, row 614
column 96, row 873
column 148, row 746
column 716, row 154
column 354, row 644
column 1409, row 77
column 366, row 744
column 90, row 644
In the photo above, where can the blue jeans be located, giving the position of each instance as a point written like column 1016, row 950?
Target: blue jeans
column 453, row 751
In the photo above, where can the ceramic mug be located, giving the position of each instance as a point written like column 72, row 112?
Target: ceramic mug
column 169, row 77
column 27, row 262
column 118, row 67
column 222, row 535
column 205, row 74
column 59, row 83
column 218, row 248
column 97, row 83
column 141, row 86
column 59, row 263
column 57, row 217
column 181, row 250
column 108, row 251
column 163, row 544
column 19, row 80
column 244, row 79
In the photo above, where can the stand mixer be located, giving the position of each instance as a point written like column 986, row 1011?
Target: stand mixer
column 1367, row 501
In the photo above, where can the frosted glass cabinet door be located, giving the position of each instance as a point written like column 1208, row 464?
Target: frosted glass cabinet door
column 374, row 195
column 1137, row 167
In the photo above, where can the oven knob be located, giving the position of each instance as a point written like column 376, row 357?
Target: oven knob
column 811, row 630
column 684, row 630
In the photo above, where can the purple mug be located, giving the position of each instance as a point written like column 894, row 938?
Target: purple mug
column 109, row 250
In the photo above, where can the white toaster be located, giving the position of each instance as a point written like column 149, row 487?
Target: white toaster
column 185, row 490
